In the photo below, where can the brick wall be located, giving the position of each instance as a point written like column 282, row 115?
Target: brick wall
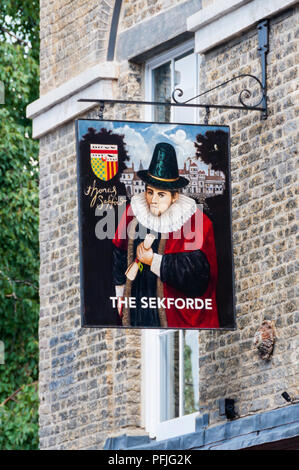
column 74, row 35
column 90, row 380
column 264, row 226
column 135, row 11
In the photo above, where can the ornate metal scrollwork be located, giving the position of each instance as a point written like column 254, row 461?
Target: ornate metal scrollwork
column 245, row 94
column 242, row 98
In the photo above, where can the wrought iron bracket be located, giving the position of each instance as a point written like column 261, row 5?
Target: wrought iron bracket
column 263, row 49
column 244, row 95
column 101, row 111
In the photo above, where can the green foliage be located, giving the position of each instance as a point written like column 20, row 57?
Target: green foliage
column 19, row 421
column 19, row 255
column 190, row 405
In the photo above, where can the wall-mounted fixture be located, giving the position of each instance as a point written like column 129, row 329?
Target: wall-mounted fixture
column 227, row 408
column 293, row 397
column 286, row 396
column 245, row 94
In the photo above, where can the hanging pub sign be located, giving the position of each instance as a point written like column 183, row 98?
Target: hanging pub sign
column 155, row 225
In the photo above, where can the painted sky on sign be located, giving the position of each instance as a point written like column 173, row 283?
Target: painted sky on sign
column 141, row 138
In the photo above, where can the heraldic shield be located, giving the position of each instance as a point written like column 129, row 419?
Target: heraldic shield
column 104, row 160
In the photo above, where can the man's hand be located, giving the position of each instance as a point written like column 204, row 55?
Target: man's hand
column 144, row 256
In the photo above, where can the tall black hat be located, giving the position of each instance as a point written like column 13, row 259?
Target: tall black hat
column 163, row 172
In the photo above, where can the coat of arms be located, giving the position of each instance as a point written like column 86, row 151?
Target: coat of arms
column 104, row 160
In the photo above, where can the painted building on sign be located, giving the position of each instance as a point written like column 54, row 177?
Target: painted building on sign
column 172, row 389
column 201, row 182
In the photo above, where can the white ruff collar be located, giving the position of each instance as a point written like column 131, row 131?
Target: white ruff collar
column 170, row 221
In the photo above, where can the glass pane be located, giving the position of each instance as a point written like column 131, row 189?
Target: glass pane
column 191, row 372
column 170, row 374
column 169, row 379
column 162, row 91
column 185, row 78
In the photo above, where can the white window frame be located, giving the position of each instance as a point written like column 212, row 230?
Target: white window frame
column 159, row 60
column 151, row 344
column 151, row 390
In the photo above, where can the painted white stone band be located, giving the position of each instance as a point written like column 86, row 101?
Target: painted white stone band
column 226, row 19
column 211, row 13
column 61, row 104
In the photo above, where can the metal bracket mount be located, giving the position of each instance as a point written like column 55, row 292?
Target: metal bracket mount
column 245, row 94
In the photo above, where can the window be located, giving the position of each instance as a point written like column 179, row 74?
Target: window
column 170, row 384
column 175, row 69
column 179, row 381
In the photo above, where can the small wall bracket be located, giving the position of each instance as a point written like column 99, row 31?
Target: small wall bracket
column 227, row 408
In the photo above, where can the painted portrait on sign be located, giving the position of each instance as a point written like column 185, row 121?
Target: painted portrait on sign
column 155, row 225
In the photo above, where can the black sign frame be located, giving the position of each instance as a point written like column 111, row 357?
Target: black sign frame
column 86, row 320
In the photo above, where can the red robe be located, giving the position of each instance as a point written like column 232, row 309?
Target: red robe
column 185, row 239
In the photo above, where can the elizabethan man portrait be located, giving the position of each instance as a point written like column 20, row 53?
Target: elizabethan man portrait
column 168, row 244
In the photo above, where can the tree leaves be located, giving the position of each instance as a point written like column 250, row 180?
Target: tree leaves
column 19, row 250
column 19, row 420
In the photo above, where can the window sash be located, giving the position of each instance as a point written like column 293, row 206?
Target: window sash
column 152, row 400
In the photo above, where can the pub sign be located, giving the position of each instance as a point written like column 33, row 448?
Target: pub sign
column 154, row 225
